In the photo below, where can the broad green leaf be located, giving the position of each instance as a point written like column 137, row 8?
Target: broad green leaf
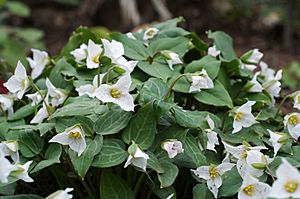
column 22, row 112
column 142, row 127
column 30, row 34
column 198, row 43
column 111, row 154
column 209, row 63
column 231, row 183
column 178, row 45
column 153, row 89
column 167, row 178
column 83, row 162
column 200, row 191
column 114, row 187
column 43, row 128
column 156, row 69
column 153, row 163
column 112, row 121
column 56, row 77
column 171, row 23
column 223, row 43
column 162, row 193
column 217, row 96
column 30, row 142
column 52, row 156
column 8, row 189
column 22, row 196
column 182, row 84
column 133, row 49
column 192, row 150
column 18, row 8
column 83, row 108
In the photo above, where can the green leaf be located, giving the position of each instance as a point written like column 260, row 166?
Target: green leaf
column 30, row 142
column 52, row 156
column 142, row 127
column 22, row 196
column 111, row 154
column 209, row 63
column 167, row 178
column 153, row 163
column 43, row 128
column 162, row 193
column 112, row 121
column 198, row 43
column 56, row 77
column 171, row 23
column 30, row 34
column 217, row 96
column 133, row 49
column 85, row 107
column 231, row 183
column 114, row 187
column 22, row 112
column 192, row 150
column 153, row 89
column 223, row 43
column 178, row 45
column 8, row 189
column 83, row 162
column 156, row 69
column 18, row 8
column 200, row 191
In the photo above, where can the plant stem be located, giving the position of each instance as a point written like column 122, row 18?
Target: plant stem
column 281, row 104
column 171, row 87
column 139, row 184
column 99, row 72
column 270, row 172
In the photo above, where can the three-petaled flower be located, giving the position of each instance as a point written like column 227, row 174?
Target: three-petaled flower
column 136, row 157
column 38, row 63
column 94, row 52
column 61, row 194
column 292, row 122
column 173, row 147
column 171, row 58
column 212, row 136
column 200, row 81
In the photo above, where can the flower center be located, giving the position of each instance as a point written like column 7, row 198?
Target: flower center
column 23, row 83
column 239, row 116
column 213, row 173
column 150, row 33
column 115, row 93
column 298, row 98
column 293, row 120
column 96, row 59
column 75, row 135
column 249, row 190
column 291, row 186
column 244, row 155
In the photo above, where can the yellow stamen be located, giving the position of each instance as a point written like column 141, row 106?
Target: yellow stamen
column 96, row 59
column 249, row 190
column 150, row 33
column 293, row 120
column 298, row 98
column 23, row 83
column 75, row 135
column 239, row 116
column 244, row 154
column 213, row 173
column 291, row 186
column 115, row 93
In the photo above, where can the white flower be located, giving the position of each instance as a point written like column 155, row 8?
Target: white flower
column 251, row 59
column 253, row 189
column 212, row 174
column 243, row 117
column 21, row 172
column 212, row 136
column 114, row 50
column 73, row 137
column 125, row 65
column 36, row 98
column 136, row 157
column 38, row 63
column 256, row 87
column 173, row 147
column 58, row 96
column 150, row 33
column 130, row 35
column 241, row 153
column 257, row 162
column 19, row 82
column 266, row 72
column 6, row 103
column 171, row 58
column 292, row 122
column 213, row 51
column 61, row 194
column 10, row 148
column 93, row 55
column 40, row 115
column 272, row 86
column 287, row 183
column 201, row 81
column 117, row 93
column 5, row 168
column 170, row 196
column 297, row 101
column 80, row 53
column 274, row 138
column 89, row 89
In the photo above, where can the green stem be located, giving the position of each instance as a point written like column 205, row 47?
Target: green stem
column 107, row 73
column 172, row 85
column 99, row 72
column 270, row 172
column 139, row 184
column 281, row 104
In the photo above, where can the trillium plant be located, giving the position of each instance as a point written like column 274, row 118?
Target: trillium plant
column 157, row 113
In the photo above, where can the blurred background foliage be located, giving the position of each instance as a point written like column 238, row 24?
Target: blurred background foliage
column 270, row 25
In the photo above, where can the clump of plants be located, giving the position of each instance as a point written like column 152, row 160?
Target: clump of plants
column 156, row 113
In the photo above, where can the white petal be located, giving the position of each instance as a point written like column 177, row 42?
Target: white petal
column 113, row 49
column 140, row 163
column 61, row 138
column 224, row 167
column 123, row 84
column 20, row 70
column 237, row 126
column 125, row 102
column 40, row 116
column 213, row 187
column 13, row 84
column 202, row 172
column 129, row 161
column 210, row 122
column 103, row 93
column 78, row 145
column 86, row 90
column 246, row 108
